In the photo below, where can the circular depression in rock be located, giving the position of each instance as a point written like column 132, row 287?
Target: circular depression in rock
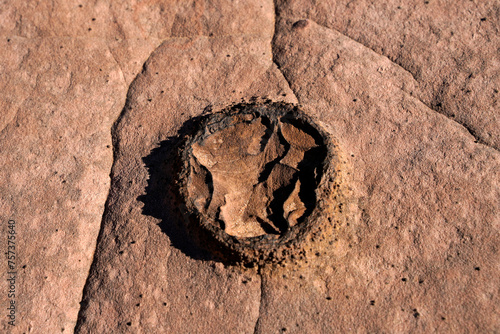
column 256, row 180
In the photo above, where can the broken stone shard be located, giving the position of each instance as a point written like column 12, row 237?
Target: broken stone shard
column 256, row 182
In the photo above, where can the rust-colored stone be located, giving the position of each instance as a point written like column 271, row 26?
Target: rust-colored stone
column 255, row 181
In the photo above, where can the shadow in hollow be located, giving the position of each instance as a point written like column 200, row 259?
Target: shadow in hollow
column 162, row 198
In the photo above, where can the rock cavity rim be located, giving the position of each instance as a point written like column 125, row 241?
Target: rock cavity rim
column 258, row 182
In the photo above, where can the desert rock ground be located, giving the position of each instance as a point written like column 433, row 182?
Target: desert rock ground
column 95, row 94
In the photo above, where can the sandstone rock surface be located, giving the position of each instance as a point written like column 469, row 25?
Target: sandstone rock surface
column 95, row 96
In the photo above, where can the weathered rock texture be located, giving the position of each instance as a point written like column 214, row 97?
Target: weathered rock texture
column 259, row 181
column 409, row 89
column 450, row 49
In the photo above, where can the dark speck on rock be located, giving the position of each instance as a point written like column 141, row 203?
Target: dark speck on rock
column 301, row 24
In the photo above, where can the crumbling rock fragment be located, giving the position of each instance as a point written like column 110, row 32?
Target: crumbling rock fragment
column 256, row 181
